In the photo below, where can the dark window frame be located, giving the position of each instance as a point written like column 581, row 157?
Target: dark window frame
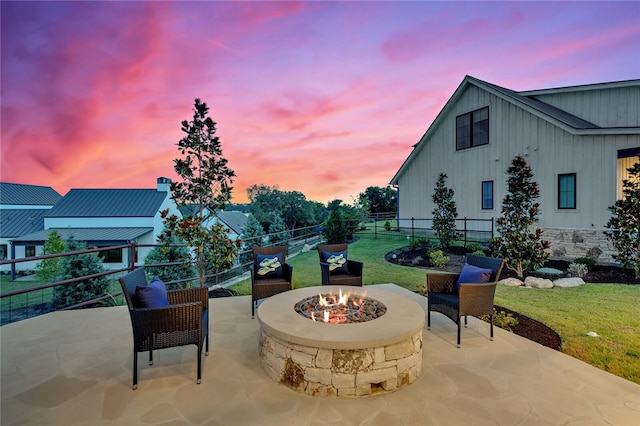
column 111, row 256
column 29, row 251
column 482, row 194
column 475, row 133
column 4, row 251
column 563, row 202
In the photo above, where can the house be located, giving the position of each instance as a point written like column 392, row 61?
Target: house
column 107, row 218
column 578, row 141
column 22, row 211
column 234, row 220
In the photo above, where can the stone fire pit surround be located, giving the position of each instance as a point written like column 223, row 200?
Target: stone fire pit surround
column 341, row 360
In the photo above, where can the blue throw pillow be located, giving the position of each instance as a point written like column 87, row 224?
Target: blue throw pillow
column 337, row 261
column 153, row 295
column 269, row 265
column 473, row 274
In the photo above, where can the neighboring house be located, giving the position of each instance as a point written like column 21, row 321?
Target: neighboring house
column 107, row 217
column 578, row 140
column 235, row 221
column 22, row 211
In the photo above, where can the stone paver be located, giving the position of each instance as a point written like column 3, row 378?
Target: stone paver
column 67, row 368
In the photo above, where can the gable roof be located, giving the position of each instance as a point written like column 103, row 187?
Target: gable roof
column 27, row 195
column 109, row 203
column 235, row 220
column 16, row 222
column 527, row 101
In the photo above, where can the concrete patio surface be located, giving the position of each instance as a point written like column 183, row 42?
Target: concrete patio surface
column 68, row 368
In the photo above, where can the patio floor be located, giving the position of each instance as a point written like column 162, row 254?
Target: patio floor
column 74, row 367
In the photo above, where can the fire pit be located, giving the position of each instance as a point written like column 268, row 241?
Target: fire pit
column 341, row 358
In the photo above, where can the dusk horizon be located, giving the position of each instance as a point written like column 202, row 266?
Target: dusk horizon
column 325, row 98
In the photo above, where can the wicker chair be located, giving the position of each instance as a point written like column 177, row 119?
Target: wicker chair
column 184, row 322
column 470, row 299
column 262, row 287
column 353, row 277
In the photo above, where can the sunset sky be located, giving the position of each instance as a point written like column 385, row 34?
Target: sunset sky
column 325, row 98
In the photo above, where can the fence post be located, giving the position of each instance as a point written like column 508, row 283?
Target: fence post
column 412, row 228
column 465, row 231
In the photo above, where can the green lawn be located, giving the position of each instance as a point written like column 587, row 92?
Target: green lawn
column 608, row 309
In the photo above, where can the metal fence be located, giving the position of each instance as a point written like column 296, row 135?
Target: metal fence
column 36, row 300
column 27, row 302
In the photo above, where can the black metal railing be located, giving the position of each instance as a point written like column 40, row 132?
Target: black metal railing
column 36, row 300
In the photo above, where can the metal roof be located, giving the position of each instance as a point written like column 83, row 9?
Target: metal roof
column 113, row 235
column 16, row 222
column 235, row 220
column 27, row 195
column 549, row 110
column 109, row 203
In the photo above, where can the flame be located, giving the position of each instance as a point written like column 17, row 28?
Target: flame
column 333, row 306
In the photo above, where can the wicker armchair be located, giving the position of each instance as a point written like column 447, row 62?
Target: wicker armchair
column 353, row 277
column 184, row 322
column 265, row 285
column 470, row 299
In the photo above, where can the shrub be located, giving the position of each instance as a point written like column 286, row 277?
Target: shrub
column 474, row 247
column 419, row 243
column 501, row 319
column 76, row 266
column 589, row 262
column 335, row 228
column 387, row 225
column 438, row 259
column 578, row 269
column 479, row 253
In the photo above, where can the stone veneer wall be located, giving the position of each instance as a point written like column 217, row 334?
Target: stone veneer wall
column 572, row 243
column 342, row 373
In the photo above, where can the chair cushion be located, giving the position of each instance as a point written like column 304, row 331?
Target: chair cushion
column 337, row 261
column 269, row 266
column 153, row 295
column 473, row 274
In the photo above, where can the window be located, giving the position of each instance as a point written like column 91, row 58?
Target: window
column 3, row 252
column 111, row 256
column 472, row 129
column 487, row 195
column 567, row 191
column 29, row 251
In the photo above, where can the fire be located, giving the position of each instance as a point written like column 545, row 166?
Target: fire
column 335, row 308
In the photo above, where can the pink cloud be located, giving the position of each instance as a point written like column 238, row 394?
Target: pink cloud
column 325, row 98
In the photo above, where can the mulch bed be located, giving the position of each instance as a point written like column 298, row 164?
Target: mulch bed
column 527, row 327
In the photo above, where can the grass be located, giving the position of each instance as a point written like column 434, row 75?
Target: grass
column 608, row 309
column 33, row 298
column 371, row 251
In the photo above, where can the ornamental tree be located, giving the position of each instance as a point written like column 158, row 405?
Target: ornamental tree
column 624, row 225
column 445, row 213
column 519, row 244
column 204, row 190
column 48, row 270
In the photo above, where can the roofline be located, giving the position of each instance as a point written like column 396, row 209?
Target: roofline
column 583, row 87
column 491, row 88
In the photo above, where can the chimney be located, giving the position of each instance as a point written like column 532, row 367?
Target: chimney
column 164, row 184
